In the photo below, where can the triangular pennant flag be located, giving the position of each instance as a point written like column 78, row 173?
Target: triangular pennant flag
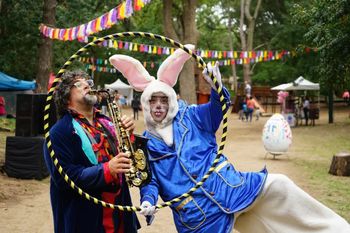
column 121, row 11
column 129, row 10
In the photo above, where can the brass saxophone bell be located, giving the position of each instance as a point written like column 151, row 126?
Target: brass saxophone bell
column 140, row 159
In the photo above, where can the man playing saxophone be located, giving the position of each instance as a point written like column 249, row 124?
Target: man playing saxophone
column 85, row 145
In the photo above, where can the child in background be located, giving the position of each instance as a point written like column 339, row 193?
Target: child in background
column 257, row 113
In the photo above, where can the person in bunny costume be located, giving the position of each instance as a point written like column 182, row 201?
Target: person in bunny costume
column 182, row 147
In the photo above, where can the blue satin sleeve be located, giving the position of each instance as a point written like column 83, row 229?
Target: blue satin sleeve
column 209, row 116
column 150, row 191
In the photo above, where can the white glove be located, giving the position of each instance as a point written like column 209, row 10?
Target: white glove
column 216, row 72
column 147, row 209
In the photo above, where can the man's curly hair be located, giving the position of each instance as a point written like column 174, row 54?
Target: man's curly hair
column 62, row 91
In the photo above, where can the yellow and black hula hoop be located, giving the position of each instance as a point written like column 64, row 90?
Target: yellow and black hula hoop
column 47, row 125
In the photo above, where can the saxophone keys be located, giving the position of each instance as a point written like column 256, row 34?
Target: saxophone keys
column 144, row 175
column 132, row 170
column 136, row 182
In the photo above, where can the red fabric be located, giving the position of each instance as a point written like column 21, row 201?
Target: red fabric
column 2, row 106
column 132, row 138
column 107, row 173
column 108, row 223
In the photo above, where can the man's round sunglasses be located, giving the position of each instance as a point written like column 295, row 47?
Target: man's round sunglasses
column 80, row 84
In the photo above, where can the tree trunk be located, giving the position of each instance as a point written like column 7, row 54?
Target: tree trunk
column 340, row 165
column 233, row 66
column 242, row 35
column 247, row 40
column 187, row 79
column 168, row 26
column 45, row 48
column 188, row 34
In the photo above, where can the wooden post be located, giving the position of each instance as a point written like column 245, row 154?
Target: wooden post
column 340, row 165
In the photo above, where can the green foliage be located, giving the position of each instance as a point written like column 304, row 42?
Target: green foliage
column 7, row 124
column 19, row 36
column 325, row 25
column 328, row 29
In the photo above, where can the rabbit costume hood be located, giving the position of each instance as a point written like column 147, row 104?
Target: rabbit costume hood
column 140, row 80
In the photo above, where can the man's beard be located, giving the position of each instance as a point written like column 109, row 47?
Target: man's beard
column 90, row 99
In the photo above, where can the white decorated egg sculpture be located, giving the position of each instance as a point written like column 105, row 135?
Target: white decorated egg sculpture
column 277, row 135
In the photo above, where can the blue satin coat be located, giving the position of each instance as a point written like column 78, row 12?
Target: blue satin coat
column 176, row 169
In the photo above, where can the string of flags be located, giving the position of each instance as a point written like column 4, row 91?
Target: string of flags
column 260, row 55
column 125, row 9
column 105, row 21
column 239, row 57
column 102, row 65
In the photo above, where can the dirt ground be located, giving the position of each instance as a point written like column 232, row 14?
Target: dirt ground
column 25, row 204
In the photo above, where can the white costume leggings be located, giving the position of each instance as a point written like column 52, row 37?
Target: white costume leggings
column 285, row 208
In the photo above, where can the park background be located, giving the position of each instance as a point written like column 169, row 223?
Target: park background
column 301, row 38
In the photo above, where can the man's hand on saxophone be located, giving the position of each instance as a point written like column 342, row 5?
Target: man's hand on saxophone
column 119, row 164
column 128, row 124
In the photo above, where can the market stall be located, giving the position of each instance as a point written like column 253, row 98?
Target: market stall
column 295, row 116
column 123, row 89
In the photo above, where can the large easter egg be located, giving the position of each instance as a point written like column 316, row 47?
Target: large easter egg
column 277, row 135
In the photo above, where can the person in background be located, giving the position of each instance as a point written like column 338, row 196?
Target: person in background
column 306, row 109
column 2, row 106
column 346, row 97
column 257, row 113
column 122, row 101
column 182, row 147
column 241, row 113
column 245, row 110
column 85, row 144
column 136, row 105
column 104, row 102
column 250, row 106
column 116, row 97
column 247, row 89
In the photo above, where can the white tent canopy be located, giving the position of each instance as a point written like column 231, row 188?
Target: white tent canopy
column 123, row 89
column 299, row 84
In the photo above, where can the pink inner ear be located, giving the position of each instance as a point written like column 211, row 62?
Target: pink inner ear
column 170, row 69
column 132, row 70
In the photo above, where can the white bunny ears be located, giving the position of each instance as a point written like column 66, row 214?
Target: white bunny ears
column 139, row 78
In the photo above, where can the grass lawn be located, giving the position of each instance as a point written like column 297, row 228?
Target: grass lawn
column 317, row 146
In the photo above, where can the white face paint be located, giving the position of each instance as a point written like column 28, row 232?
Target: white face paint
column 159, row 106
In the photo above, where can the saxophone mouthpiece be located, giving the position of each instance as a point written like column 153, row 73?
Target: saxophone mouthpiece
column 93, row 92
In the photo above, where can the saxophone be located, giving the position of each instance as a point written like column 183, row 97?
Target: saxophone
column 139, row 173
